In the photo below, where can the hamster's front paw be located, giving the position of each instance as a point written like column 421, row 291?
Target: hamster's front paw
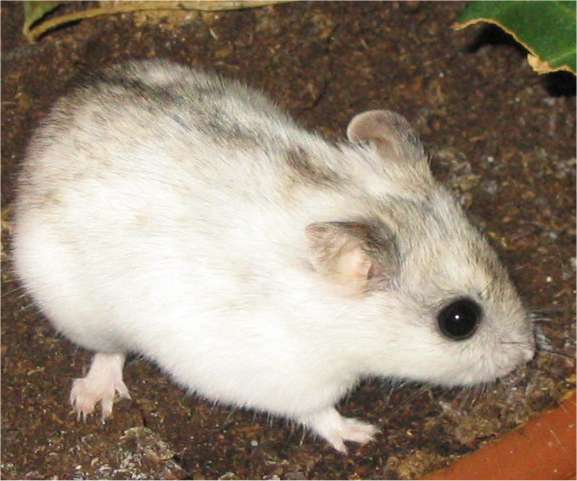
column 103, row 381
column 337, row 429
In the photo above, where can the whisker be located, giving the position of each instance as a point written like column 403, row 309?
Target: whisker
column 464, row 397
column 548, row 310
column 540, row 320
column 417, row 393
column 530, row 386
column 480, row 392
column 474, row 396
column 556, row 336
column 558, row 353
column 30, row 306
column 10, row 280
column 471, row 396
column 12, row 291
column 564, row 338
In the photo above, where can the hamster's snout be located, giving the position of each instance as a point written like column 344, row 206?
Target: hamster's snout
column 524, row 354
column 529, row 349
column 529, row 353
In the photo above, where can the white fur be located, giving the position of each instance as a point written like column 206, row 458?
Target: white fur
column 152, row 230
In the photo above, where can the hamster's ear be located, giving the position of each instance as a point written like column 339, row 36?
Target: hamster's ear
column 352, row 254
column 390, row 132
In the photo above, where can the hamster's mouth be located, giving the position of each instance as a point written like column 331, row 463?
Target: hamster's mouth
column 488, row 370
column 502, row 366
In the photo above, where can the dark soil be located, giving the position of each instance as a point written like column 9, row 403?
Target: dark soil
column 501, row 137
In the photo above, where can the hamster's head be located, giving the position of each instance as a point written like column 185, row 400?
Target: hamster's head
column 433, row 301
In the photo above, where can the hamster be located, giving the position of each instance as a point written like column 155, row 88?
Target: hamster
column 184, row 217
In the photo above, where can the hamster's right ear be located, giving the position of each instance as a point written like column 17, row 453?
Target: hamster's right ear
column 390, row 132
column 352, row 254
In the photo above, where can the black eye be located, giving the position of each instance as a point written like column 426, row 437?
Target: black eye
column 459, row 320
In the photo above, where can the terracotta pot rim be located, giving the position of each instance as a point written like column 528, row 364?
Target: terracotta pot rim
column 543, row 448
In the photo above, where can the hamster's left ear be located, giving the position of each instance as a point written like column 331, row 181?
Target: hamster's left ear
column 390, row 132
column 352, row 254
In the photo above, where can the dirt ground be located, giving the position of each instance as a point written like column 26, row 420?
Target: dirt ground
column 500, row 136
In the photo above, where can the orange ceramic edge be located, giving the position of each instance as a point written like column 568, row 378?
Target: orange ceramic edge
column 544, row 448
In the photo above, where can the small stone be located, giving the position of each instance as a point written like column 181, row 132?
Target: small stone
column 491, row 186
column 228, row 475
column 552, row 235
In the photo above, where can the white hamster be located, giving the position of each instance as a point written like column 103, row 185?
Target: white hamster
column 184, row 217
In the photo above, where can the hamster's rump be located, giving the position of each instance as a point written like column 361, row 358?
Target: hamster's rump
column 147, row 235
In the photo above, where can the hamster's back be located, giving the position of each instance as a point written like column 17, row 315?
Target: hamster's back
column 150, row 147
column 152, row 118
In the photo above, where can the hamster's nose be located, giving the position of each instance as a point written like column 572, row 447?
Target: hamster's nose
column 528, row 354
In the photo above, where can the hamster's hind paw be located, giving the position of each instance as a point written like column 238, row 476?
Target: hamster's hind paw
column 103, row 381
column 337, row 429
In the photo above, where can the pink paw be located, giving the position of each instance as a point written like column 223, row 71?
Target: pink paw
column 101, row 384
column 351, row 430
column 86, row 393
column 337, row 429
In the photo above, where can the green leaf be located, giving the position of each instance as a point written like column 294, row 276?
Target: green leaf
column 545, row 28
column 35, row 11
